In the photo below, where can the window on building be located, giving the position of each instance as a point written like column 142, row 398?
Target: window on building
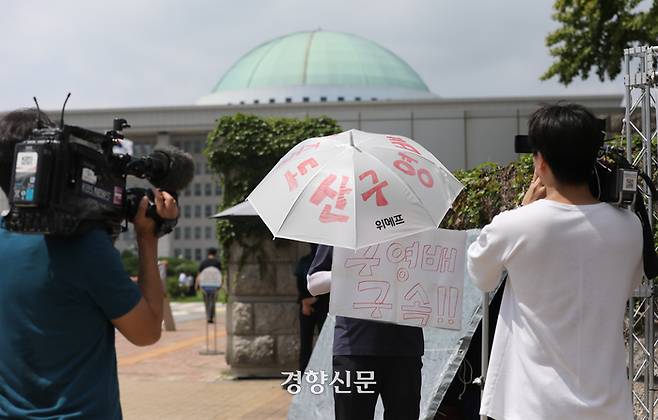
column 358, row 99
column 197, row 211
column 178, row 253
column 188, row 254
column 218, row 189
column 186, row 191
column 208, row 232
column 208, row 210
column 207, row 190
column 272, row 100
column 323, row 99
column 177, row 233
column 187, row 232
column 341, row 99
column 197, row 232
column 197, row 189
column 288, row 100
column 197, row 254
column 186, row 146
column 256, row 101
column 198, row 146
column 305, row 99
column 187, row 212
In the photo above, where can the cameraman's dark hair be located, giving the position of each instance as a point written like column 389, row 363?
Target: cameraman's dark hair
column 568, row 138
column 212, row 251
column 14, row 127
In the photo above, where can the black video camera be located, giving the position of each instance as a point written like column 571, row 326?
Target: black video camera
column 614, row 179
column 66, row 180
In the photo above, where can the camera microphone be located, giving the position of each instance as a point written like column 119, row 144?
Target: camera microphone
column 167, row 168
column 173, row 169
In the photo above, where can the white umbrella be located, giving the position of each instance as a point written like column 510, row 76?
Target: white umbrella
column 355, row 189
column 243, row 209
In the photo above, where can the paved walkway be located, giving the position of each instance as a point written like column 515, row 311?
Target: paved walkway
column 171, row 380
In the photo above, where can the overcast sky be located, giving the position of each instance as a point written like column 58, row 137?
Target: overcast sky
column 170, row 52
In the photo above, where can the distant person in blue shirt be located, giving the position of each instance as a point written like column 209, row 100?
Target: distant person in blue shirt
column 61, row 299
column 209, row 280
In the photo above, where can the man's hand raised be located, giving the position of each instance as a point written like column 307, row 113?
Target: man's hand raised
column 166, row 207
column 535, row 192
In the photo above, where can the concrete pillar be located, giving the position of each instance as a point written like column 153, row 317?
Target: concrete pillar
column 262, row 314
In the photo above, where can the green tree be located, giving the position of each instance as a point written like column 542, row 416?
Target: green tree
column 242, row 149
column 594, row 33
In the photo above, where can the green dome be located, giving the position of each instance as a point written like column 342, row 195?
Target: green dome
column 318, row 66
column 320, row 58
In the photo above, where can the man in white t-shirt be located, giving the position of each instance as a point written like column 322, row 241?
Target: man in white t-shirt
column 573, row 262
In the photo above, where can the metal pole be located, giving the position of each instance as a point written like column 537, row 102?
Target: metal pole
column 207, row 338
column 646, row 132
column 216, row 318
column 485, row 344
column 628, row 99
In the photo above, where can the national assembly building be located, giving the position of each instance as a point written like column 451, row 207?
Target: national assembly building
column 353, row 80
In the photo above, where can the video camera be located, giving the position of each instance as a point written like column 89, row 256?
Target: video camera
column 614, row 180
column 66, row 180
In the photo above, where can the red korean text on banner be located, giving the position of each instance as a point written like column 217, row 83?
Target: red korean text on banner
column 325, row 190
column 376, row 190
column 303, row 167
column 418, row 307
column 378, row 292
column 408, row 164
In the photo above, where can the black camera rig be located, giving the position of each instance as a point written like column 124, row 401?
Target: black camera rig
column 67, row 179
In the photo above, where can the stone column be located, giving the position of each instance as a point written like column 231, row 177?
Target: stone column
column 262, row 314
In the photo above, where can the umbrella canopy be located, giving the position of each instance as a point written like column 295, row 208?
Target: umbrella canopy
column 239, row 210
column 355, row 189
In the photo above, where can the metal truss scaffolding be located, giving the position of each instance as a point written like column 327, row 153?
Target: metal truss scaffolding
column 641, row 93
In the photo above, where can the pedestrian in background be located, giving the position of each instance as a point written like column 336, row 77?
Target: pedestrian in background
column 209, row 280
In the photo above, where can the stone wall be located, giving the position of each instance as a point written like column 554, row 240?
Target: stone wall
column 262, row 314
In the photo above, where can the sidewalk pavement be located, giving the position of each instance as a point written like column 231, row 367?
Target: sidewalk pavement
column 171, row 380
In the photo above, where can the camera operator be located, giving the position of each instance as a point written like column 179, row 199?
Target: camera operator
column 61, row 299
column 572, row 262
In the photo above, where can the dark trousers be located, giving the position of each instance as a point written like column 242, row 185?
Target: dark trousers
column 209, row 298
column 307, row 327
column 397, row 380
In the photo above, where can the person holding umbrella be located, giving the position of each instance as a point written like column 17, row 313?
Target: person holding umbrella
column 352, row 190
column 391, row 352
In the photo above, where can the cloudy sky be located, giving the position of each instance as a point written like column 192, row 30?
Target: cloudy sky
column 169, row 52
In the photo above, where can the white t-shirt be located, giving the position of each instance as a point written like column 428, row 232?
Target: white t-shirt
column 558, row 350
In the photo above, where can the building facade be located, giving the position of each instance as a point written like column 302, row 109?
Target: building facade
column 309, row 74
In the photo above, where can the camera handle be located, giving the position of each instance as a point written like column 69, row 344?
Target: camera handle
column 133, row 198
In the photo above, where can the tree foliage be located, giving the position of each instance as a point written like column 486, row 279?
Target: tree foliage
column 488, row 190
column 242, row 149
column 594, row 33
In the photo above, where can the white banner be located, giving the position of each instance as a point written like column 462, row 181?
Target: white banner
column 417, row 280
